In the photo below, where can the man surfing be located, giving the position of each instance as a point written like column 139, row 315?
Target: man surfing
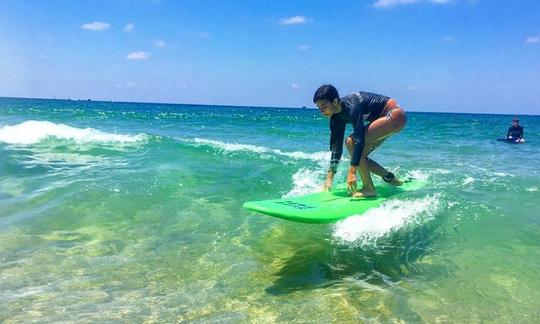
column 384, row 117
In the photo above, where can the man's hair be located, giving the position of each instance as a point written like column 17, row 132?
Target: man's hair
column 326, row 92
column 515, row 120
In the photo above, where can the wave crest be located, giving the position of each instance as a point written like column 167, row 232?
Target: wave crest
column 34, row 131
column 235, row 147
column 390, row 217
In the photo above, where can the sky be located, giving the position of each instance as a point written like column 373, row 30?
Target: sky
column 474, row 56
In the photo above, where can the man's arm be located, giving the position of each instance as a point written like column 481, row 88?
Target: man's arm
column 359, row 134
column 337, row 133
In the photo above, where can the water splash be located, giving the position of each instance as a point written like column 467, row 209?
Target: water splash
column 391, row 216
column 236, row 147
column 468, row 181
column 305, row 181
column 34, row 131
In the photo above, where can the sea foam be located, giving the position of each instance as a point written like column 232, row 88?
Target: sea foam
column 235, row 147
column 34, row 131
column 390, row 217
column 304, row 181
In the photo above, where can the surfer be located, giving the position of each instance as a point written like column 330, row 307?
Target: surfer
column 384, row 117
column 515, row 132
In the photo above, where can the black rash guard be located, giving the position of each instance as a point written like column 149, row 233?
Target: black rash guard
column 515, row 131
column 356, row 108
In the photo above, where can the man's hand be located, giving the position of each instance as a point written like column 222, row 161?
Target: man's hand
column 327, row 185
column 352, row 185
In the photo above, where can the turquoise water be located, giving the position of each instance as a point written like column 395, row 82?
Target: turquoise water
column 132, row 212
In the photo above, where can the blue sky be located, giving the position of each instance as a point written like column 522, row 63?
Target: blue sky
column 431, row 55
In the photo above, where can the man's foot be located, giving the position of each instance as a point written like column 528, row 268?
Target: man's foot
column 365, row 193
column 391, row 179
column 396, row 182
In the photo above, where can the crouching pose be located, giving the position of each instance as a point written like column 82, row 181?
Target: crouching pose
column 384, row 117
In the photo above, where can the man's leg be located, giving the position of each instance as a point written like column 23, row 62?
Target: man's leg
column 376, row 168
column 385, row 126
column 377, row 132
column 368, row 189
column 373, row 166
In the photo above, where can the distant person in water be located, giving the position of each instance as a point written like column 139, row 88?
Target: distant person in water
column 515, row 132
column 384, row 117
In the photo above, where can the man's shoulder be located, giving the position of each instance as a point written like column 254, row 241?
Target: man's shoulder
column 352, row 102
column 349, row 97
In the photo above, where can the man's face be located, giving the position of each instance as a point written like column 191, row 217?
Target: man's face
column 515, row 123
column 327, row 108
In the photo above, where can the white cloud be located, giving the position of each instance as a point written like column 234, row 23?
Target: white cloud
column 295, row 20
column 413, row 88
column 129, row 27
column 532, row 39
column 303, row 47
column 295, row 85
column 393, row 3
column 139, row 55
column 159, row 43
column 96, row 25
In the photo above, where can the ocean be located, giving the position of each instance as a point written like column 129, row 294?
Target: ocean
column 132, row 212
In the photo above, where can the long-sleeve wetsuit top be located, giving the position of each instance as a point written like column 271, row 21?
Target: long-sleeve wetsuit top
column 515, row 131
column 356, row 108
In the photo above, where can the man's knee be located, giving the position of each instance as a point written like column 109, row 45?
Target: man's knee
column 399, row 121
column 368, row 148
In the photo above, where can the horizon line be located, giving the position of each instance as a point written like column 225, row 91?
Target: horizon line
column 245, row 106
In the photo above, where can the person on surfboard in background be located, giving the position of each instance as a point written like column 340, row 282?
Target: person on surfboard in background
column 515, row 132
column 385, row 118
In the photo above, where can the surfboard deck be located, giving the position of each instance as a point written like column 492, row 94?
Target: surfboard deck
column 510, row 141
column 327, row 207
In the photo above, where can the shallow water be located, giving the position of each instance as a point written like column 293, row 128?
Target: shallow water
column 121, row 211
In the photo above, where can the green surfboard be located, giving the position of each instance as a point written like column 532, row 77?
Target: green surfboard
column 327, row 207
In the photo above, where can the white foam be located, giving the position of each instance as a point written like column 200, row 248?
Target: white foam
column 305, row 181
column 231, row 147
column 33, row 131
column 468, row 180
column 418, row 174
column 532, row 189
column 234, row 147
column 502, row 174
column 390, row 217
